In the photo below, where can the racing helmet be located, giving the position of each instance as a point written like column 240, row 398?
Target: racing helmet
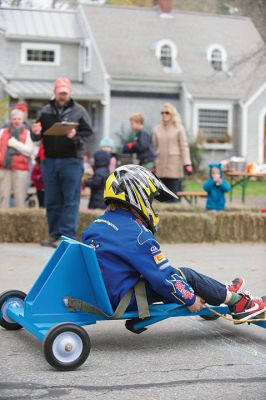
column 136, row 186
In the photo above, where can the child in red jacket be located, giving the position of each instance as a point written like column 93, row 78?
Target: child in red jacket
column 36, row 179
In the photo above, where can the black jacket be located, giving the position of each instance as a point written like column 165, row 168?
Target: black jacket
column 61, row 146
column 97, row 181
column 143, row 147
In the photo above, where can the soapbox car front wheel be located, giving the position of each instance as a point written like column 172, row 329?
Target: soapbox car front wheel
column 66, row 346
column 7, row 298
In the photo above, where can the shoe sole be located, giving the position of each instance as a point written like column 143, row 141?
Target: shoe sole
column 259, row 314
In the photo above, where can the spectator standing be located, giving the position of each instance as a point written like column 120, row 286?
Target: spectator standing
column 23, row 107
column 16, row 148
column 97, row 181
column 173, row 155
column 63, row 162
column 142, row 144
column 216, row 187
column 107, row 144
column 37, row 180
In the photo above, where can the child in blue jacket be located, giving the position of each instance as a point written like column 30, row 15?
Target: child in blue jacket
column 97, row 181
column 216, row 187
column 127, row 250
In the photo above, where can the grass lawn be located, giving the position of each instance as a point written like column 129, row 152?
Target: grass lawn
column 254, row 188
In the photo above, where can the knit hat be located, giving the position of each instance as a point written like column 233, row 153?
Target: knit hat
column 62, row 85
column 106, row 142
column 22, row 107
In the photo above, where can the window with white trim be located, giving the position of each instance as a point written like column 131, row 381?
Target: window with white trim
column 217, row 57
column 216, row 60
column 166, row 56
column 40, row 54
column 213, row 124
column 166, row 52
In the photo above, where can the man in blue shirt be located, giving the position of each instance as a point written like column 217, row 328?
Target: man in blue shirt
column 126, row 249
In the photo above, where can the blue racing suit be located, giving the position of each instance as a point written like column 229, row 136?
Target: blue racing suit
column 127, row 250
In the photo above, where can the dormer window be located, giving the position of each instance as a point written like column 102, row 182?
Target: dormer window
column 217, row 57
column 166, row 52
column 166, row 56
column 216, row 60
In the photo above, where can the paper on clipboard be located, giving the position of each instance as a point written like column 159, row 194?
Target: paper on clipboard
column 60, row 128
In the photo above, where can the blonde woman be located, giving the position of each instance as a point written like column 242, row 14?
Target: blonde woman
column 173, row 154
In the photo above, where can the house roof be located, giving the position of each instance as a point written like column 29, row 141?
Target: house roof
column 126, row 38
column 44, row 89
column 40, row 24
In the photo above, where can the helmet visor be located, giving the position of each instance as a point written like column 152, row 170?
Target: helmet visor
column 162, row 192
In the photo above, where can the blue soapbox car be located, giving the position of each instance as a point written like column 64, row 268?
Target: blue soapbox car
column 73, row 271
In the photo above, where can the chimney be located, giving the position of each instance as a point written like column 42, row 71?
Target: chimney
column 164, row 6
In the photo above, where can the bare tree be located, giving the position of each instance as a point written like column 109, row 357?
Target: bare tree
column 254, row 9
column 16, row 3
column 37, row 3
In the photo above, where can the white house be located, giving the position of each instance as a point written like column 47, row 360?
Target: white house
column 37, row 46
column 212, row 67
column 123, row 60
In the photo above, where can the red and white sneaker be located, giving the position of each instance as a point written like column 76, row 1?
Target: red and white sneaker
column 248, row 308
column 236, row 285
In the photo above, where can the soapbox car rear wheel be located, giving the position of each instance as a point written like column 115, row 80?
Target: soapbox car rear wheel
column 66, row 346
column 7, row 298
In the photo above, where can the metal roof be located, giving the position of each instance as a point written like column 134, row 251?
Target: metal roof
column 26, row 89
column 53, row 24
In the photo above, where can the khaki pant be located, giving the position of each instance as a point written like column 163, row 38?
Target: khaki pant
column 13, row 182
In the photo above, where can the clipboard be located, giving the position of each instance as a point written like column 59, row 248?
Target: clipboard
column 60, row 128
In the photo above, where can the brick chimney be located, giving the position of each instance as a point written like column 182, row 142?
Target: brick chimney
column 164, row 6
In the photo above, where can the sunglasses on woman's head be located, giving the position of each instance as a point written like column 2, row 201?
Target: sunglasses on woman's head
column 165, row 112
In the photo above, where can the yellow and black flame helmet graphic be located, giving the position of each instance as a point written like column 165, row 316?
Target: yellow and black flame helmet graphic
column 136, row 186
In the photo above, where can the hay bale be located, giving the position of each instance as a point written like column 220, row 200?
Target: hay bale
column 240, row 227
column 30, row 225
column 229, row 227
column 23, row 225
column 212, row 226
column 85, row 219
column 186, row 228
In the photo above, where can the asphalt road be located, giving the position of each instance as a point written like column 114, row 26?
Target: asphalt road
column 178, row 358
